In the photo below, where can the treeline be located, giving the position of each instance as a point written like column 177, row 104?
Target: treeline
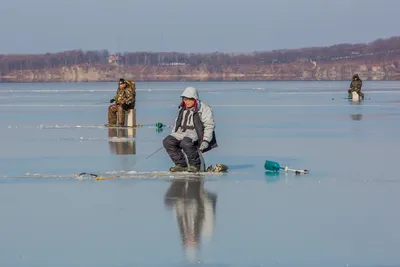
column 376, row 50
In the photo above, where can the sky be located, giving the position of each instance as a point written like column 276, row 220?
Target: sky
column 40, row 26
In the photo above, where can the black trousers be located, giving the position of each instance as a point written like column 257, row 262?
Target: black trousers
column 174, row 149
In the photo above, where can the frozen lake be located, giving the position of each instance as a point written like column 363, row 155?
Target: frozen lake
column 340, row 214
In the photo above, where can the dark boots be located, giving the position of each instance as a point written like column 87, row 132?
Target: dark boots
column 174, row 148
column 193, row 169
column 180, row 168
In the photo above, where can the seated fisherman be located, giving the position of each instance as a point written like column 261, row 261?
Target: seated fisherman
column 124, row 99
column 355, row 86
column 193, row 131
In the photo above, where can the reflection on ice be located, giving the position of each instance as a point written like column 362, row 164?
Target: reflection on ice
column 195, row 211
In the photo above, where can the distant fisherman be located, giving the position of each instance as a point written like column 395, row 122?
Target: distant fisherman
column 355, row 86
column 193, row 131
column 124, row 99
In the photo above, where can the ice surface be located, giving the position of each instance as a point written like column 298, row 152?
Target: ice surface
column 343, row 212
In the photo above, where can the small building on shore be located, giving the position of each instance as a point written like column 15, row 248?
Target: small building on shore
column 115, row 59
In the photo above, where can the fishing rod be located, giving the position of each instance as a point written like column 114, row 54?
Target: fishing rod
column 97, row 177
column 158, row 125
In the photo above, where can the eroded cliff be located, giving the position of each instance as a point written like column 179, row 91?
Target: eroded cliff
column 339, row 70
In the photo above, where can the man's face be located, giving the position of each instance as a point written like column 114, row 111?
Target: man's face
column 122, row 85
column 189, row 102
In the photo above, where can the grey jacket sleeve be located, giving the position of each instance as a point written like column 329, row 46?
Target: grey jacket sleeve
column 207, row 117
column 173, row 127
column 175, row 120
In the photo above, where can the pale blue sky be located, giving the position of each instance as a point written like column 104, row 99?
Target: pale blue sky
column 37, row 26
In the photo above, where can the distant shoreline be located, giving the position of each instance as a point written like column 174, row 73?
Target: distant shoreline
column 168, row 81
column 377, row 60
column 297, row 71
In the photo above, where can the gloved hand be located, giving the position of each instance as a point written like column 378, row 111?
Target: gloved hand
column 125, row 106
column 112, row 100
column 204, row 145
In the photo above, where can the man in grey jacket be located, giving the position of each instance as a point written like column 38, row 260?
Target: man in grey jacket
column 193, row 131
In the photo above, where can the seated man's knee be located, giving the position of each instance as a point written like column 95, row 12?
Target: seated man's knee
column 170, row 141
column 187, row 143
column 165, row 141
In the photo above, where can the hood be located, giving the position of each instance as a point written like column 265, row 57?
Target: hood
column 356, row 76
column 190, row 92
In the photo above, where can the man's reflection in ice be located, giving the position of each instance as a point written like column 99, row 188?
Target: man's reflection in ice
column 195, row 210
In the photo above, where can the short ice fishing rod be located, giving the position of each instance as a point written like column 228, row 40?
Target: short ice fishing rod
column 97, row 177
column 158, row 125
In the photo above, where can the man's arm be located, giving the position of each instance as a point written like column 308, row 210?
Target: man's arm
column 115, row 98
column 130, row 94
column 176, row 120
column 173, row 127
column 209, row 124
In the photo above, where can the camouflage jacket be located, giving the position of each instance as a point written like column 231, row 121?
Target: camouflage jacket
column 126, row 95
column 356, row 84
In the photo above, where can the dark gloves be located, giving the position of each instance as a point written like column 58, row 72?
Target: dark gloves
column 112, row 100
column 125, row 106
